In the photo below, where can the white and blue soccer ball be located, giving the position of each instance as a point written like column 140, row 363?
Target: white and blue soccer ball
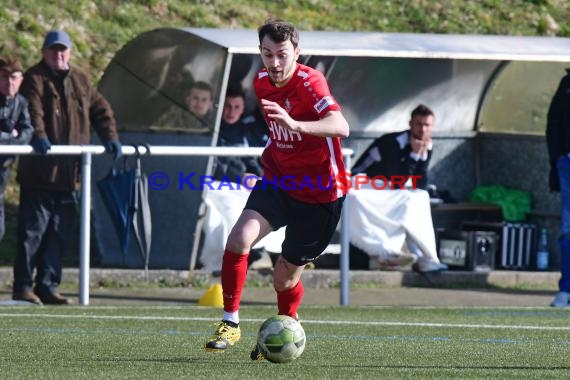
column 281, row 339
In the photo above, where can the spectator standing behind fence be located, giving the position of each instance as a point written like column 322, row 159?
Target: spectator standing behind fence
column 15, row 124
column 404, row 153
column 196, row 115
column 558, row 140
column 64, row 106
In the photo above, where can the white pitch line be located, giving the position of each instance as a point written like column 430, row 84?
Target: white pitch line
column 304, row 321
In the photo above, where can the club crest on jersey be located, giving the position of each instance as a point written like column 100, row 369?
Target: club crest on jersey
column 324, row 103
column 287, row 105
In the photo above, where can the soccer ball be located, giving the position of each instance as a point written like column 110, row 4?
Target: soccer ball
column 281, row 339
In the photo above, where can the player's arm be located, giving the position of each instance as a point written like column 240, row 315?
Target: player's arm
column 333, row 124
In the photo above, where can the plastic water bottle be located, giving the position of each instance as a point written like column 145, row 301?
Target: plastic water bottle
column 542, row 252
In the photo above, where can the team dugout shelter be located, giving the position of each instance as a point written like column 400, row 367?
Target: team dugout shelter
column 490, row 95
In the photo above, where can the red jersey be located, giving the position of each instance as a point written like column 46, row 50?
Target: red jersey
column 304, row 165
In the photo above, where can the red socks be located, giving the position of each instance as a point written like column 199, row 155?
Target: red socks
column 234, row 273
column 288, row 301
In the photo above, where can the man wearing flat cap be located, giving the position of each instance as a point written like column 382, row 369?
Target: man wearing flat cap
column 15, row 125
column 64, row 106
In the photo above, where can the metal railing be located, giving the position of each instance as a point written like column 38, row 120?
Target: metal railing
column 86, row 152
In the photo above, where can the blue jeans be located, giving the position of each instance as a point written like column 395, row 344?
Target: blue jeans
column 45, row 225
column 563, row 166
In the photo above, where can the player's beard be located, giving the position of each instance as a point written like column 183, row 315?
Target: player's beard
column 276, row 76
column 281, row 77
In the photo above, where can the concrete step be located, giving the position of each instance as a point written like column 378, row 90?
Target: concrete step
column 315, row 278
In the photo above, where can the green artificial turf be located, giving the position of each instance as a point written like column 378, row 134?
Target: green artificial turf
column 342, row 343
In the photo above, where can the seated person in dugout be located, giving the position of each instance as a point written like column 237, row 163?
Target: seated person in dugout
column 406, row 153
column 242, row 131
column 237, row 130
column 196, row 116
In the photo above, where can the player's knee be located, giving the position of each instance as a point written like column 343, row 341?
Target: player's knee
column 237, row 243
column 237, row 246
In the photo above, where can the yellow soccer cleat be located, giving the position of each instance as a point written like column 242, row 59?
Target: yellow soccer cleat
column 226, row 335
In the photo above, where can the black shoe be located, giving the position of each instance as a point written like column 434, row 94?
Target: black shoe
column 55, row 298
column 256, row 354
column 27, row 296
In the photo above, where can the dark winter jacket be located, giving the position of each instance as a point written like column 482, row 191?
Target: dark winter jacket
column 247, row 132
column 14, row 116
column 558, row 128
column 389, row 155
column 64, row 106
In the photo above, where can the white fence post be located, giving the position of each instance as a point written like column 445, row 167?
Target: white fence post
column 345, row 245
column 86, row 152
column 85, row 225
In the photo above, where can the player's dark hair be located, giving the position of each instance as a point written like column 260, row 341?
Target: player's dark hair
column 422, row 110
column 235, row 91
column 279, row 31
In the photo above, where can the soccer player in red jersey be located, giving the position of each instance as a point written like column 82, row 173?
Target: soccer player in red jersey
column 299, row 190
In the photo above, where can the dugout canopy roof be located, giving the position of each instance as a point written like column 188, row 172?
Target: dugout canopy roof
column 473, row 82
